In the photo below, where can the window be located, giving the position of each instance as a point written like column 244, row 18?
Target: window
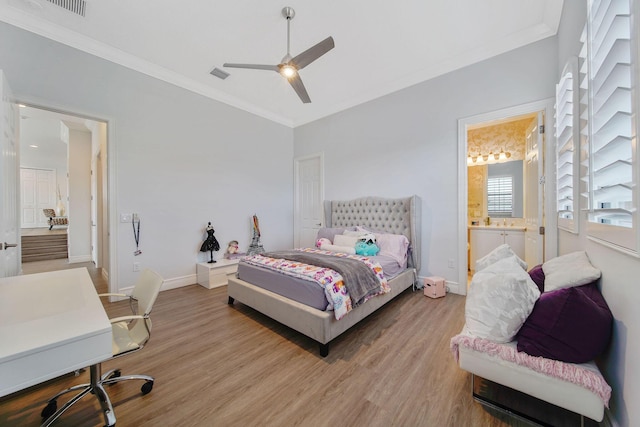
column 567, row 161
column 611, row 129
column 500, row 196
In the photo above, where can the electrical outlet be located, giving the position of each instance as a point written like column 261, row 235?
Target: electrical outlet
column 451, row 263
column 136, row 266
column 136, row 217
column 125, row 217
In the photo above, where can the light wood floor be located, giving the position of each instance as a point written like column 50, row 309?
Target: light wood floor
column 221, row 365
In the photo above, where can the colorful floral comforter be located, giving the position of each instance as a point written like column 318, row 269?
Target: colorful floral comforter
column 330, row 280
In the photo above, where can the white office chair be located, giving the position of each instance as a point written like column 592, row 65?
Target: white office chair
column 130, row 334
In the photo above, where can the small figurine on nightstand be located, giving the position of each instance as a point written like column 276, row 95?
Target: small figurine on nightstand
column 233, row 247
column 233, row 251
column 211, row 243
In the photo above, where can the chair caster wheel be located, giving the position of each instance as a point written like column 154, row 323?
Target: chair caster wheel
column 49, row 410
column 146, row 387
column 115, row 374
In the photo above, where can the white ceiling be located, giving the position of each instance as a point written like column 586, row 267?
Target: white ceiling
column 381, row 46
column 42, row 128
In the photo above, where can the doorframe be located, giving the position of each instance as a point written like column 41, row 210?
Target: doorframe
column 111, row 276
column 550, row 219
column 296, row 188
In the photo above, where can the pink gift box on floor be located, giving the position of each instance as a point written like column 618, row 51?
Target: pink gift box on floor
column 434, row 287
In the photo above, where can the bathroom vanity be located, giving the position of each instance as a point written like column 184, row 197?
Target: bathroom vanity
column 483, row 239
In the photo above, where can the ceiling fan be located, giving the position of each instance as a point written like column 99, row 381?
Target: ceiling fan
column 290, row 66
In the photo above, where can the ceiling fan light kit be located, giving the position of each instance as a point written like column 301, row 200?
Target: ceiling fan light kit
column 290, row 66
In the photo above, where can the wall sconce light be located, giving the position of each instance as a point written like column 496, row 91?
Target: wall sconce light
column 485, row 158
column 503, row 155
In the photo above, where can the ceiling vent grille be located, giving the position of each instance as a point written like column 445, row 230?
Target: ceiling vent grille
column 75, row 6
column 219, row 73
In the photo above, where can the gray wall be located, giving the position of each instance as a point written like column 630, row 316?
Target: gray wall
column 407, row 142
column 180, row 159
column 619, row 271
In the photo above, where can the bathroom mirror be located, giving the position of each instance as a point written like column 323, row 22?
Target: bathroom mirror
column 496, row 190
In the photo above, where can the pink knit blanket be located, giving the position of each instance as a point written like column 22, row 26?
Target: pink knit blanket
column 580, row 375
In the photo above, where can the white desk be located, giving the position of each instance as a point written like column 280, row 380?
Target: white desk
column 50, row 324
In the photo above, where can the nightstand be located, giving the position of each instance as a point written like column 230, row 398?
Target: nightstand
column 215, row 274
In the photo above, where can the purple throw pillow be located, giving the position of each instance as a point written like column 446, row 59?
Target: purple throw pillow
column 537, row 275
column 571, row 325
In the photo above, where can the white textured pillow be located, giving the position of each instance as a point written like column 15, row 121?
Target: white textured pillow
column 501, row 252
column 335, row 248
column 344, row 240
column 357, row 233
column 500, row 299
column 566, row 271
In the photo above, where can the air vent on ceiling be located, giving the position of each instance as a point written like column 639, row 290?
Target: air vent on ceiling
column 75, row 6
column 219, row 73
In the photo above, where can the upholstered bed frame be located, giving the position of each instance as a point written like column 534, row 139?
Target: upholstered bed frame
column 397, row 216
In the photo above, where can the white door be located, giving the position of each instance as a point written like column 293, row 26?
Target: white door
column 534, row 193
column 9, row 166
column 309, row 194
column 37, row 192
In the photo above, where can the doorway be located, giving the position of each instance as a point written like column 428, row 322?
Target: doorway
column 308, row 199
column 543, row 162
column 70, row 146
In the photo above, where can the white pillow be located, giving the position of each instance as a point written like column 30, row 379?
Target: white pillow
column 335, row 248
column 501, row 252
column 500, row 299
column 566, row 271
column 357, row 233
column 344, row 240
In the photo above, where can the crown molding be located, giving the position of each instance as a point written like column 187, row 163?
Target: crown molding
column 85, row 44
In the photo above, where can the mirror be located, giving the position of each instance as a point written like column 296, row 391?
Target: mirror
column 496, row 190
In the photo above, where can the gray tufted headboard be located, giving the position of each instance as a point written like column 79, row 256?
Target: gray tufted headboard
column 396, row 216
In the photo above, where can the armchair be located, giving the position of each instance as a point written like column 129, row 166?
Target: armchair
column 130, row 334
column 53, row 219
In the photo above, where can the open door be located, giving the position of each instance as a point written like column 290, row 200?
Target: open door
column 534, row 192
column 9, row 200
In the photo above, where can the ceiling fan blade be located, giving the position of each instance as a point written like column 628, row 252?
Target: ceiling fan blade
column 296, row 83
column 252, row 66
column 313, row 53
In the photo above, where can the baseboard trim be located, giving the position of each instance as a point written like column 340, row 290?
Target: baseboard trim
column 454, row 288
column 179, row 282
column 78, row 259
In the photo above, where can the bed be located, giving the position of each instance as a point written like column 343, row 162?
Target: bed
column 394, row 216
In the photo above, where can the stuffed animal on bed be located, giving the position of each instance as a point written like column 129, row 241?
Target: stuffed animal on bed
column 366, row 246
column 321, row 242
